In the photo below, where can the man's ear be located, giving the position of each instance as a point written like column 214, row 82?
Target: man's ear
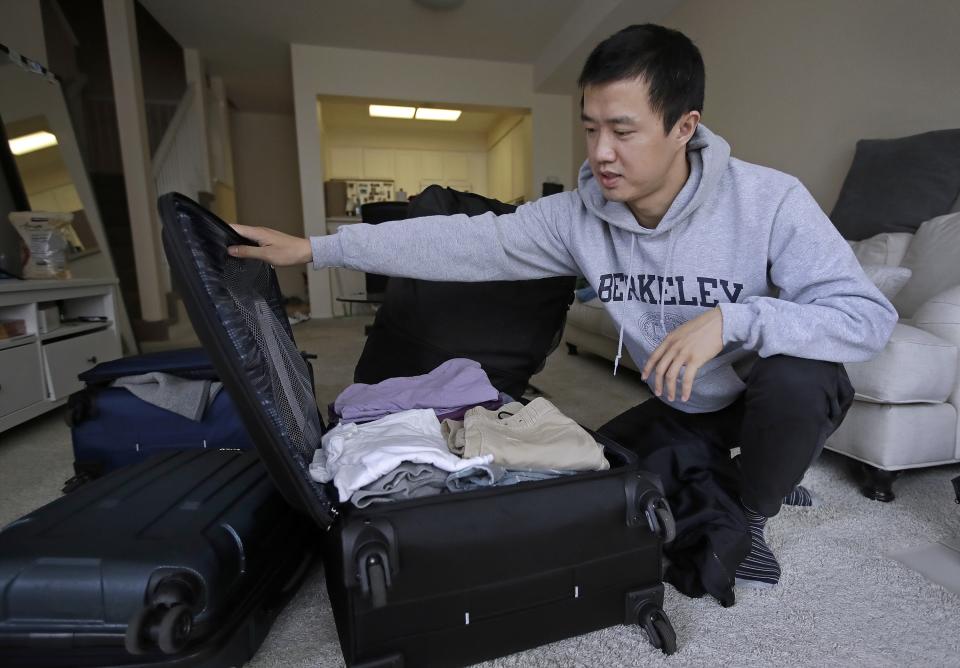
column 685, row 128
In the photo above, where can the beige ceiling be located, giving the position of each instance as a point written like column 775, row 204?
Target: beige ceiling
column 247, row 41
column 353, row 114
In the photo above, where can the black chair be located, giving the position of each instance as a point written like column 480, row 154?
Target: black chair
column 510, row 327
column 374, row 213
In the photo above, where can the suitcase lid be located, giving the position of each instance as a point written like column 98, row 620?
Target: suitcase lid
column 235, row 307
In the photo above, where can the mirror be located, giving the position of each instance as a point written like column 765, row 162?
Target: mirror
column 32, row 106
column 47, row 181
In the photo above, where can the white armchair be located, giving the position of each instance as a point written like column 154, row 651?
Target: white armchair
column 905, row 414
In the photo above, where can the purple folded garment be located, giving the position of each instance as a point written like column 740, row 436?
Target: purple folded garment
column 452, row 385
column 455, row 414
column 458, row 413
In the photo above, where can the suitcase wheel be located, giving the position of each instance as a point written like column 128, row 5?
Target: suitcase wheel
column 666, row 526
column 165, row 627
column 174, row 629
column 137, row 639
column 658, row 628
column 378, row 582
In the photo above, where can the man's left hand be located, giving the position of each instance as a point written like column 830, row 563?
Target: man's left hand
column 688, row 347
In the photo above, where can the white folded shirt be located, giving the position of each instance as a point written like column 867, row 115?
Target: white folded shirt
column 353, row 455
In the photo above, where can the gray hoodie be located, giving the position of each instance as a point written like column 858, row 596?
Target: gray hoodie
column 745, row 238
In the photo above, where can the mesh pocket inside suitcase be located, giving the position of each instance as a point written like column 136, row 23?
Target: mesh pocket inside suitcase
column 284, row 369
column 235, row 307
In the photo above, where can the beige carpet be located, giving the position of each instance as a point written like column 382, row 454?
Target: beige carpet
column 841, row 600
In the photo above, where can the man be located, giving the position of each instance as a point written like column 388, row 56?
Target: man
column 729, row 285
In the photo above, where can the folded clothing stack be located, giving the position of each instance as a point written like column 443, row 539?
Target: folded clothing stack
column 395, row 447
column 355, row 455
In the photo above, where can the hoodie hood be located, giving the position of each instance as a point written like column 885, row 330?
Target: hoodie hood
column 708, row 154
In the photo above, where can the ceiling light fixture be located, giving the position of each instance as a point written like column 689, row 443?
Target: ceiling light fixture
column 390, row 111
column 32, row 142
column 428, row 114
column 440, row 5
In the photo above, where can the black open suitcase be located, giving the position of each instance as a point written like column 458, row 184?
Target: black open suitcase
column 446, row 580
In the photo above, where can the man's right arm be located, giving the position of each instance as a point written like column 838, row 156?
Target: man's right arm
column 523, row 245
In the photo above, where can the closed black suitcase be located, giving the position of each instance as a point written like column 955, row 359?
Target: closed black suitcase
column 444, row 580
column 182, row 560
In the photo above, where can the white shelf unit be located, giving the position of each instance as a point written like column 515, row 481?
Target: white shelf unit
column 38, row 371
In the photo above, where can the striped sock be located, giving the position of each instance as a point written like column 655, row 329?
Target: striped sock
column 760, row 569
column 799, row 496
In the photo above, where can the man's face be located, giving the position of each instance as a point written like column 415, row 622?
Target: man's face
column 628, row 151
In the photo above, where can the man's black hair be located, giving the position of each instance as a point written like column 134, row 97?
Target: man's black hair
column 666, row 59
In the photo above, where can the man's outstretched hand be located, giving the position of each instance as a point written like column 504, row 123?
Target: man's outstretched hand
column 688, row 347
column 276, row 248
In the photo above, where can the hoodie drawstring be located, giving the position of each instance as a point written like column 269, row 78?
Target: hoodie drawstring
column 623, row 308
column 668, row 268
column 667, row 272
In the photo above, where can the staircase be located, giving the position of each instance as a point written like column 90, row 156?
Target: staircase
column 193, row 158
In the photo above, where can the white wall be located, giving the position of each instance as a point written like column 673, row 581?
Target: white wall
column 403, row 77
column 267, row 181
column 794, row 85
column 21, row 28
column 552, row 156
column 509, row 160
column 405, row 156
column 578, row 140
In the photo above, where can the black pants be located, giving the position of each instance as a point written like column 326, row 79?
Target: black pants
column 780, row 423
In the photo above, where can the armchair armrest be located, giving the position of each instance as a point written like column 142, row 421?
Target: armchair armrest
column 940, row 315
column 915, row 366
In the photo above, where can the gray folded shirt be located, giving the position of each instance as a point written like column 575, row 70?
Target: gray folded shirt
column 183, row 396
column 407, row 481
column 494, row 475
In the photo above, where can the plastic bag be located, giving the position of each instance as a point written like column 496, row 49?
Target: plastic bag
column 46, row 237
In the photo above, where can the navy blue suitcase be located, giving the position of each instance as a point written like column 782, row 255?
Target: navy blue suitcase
column 111, row 427
column 182, row 560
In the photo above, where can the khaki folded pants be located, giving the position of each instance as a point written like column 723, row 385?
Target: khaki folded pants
column 535, row 436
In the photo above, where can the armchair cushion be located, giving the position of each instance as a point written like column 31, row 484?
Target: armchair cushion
column 889, row 280
column 914, row 367
column 932, row 257
column 887, row 248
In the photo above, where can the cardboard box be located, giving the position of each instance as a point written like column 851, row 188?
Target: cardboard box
column 12, row 328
